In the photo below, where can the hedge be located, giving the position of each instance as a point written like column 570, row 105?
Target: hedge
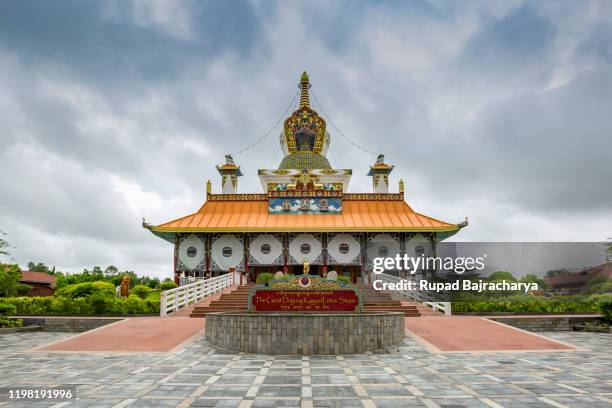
column 532, row 304
column 7, row 309
column 94, row 304
column 87, row 289
column 167, row 285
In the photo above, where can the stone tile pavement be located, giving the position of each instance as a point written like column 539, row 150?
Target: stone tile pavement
column 405, row 376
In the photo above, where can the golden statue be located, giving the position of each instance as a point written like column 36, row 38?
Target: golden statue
column 306, row 266
column 125, row 286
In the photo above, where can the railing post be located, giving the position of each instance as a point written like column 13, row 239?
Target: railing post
column 162, row 304
column 448, row 309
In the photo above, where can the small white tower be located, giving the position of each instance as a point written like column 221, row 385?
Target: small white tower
column 229, row 175
column 380, row 175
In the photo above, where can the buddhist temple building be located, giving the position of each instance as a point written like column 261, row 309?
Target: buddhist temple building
column 303, row 214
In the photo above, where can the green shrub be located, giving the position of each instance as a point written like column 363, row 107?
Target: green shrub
column 606, row 309
column 23, row 290
column 501, row 275
column 94, row 304
column 101, row 304
column 346, row 280
column 167, row 285
column 6, row 322
column 87, row 289
column 527, row 304
column 7, row 309
column 264, row 278
column 141, row 291
column 600, row 287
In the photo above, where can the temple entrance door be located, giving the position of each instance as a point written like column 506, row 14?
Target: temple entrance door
column 299, row 269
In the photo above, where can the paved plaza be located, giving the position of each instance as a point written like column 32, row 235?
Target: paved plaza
column 407, row 376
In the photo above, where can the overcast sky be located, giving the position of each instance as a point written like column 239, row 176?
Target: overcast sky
column 114, row 111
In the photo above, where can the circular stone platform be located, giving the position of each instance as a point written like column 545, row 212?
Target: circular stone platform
column 304, row 333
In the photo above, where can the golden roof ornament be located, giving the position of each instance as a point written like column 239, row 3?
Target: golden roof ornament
column 304, row 95
column 305, row 122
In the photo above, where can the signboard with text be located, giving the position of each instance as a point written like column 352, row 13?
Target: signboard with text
column 337, row 300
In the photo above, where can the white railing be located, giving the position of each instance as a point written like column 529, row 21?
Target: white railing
column 177, row 298
column 186, row 280
column 418, row 295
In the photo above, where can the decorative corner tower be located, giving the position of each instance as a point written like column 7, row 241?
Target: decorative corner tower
column 380, row 175
column 229, row 172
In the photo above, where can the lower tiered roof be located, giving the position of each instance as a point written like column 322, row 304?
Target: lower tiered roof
column 360, row 213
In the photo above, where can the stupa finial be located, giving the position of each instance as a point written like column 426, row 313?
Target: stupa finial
column 304, row 86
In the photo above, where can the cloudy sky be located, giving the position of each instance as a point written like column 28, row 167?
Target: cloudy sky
column 112, row 111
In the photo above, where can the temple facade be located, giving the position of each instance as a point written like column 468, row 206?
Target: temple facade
column 304, row 215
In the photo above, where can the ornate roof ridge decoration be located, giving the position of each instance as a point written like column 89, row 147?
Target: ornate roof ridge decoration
column 304, row 117
column 374, row 196
column 306, row 193
column 237, row 197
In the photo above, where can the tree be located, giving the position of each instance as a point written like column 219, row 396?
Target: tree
column 39, row 267
column 111, row 270
column 531, row 278
column 557, row 272
column 4, row 245
column 9, row 280
column 502, row 275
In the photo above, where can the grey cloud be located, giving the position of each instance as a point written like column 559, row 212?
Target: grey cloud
column 107, row 117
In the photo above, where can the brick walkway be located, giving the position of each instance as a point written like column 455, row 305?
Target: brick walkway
column 467, row 333
column 407, row 376
column 140, row 334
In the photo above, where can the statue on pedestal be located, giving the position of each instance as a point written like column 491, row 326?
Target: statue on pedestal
column 125, row 286
column 306, row 266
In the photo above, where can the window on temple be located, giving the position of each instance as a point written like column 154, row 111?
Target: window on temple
column 383, row 251
column 227, row 252
column 344, row 248
column 191, row 252
column 265, row 249
column 305, row 248
column 420, row 250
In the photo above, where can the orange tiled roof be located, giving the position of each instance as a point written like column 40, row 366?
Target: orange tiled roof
column 37, row 277
column 357, row 215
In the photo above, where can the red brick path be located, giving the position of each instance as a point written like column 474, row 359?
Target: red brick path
column 466, row 333
column 139, row 334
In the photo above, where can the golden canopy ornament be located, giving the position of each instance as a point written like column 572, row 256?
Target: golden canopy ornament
column 305, row 120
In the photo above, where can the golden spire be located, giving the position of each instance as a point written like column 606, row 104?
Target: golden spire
column 304, row 86
column 401, row 186
column 208, row 187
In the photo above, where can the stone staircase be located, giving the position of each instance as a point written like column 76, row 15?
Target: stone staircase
column 379, row 301
column 237, row 299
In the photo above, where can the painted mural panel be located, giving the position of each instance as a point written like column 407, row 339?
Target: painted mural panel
column 227, row 251
column 343, row 249
column 305, row 246
column 191, row 254
column 305, row 205
column 382, row 245
column 265, row 249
